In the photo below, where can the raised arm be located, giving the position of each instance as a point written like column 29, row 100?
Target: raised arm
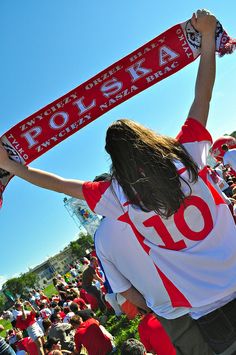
column 41, row 178
column 205, row 23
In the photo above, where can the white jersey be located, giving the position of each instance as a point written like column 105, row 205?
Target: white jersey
column 194, row 251
column 229, row 158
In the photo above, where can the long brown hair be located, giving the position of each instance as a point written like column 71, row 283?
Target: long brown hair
column 143, row 164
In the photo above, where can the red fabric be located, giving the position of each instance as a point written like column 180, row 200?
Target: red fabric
column 93, row 253
column 216, row 150
column 89, row 299
column 154, row 61
column 28, row 345
column 154, row 337
column 80, row 302
column 231, row 207
column 130, row 310
column 197, row 130
column 92, row 338
column 23, row 324
column 176, row 297
column 215, row 194
column 99, row 187
column 43, row 297
column 62, row 314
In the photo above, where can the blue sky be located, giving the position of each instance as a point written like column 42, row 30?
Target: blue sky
column 50, row 47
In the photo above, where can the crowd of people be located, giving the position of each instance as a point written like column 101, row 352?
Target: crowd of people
column 72, row 321
column 167, row 239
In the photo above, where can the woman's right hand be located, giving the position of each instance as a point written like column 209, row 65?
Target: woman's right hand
column 203, row 21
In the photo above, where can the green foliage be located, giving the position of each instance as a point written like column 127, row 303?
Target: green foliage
column 2, row 302
column 122, row 329
column 233, row 134
column 7, row 325
column 20, row 285
column 79, row 247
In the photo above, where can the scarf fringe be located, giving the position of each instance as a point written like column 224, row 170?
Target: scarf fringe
column 228, row 48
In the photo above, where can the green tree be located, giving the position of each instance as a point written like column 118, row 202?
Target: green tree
column 79, row 247
column 14, row 286
column 29, row 279
column 20, row 285
column 2, row 302
column 233, row 134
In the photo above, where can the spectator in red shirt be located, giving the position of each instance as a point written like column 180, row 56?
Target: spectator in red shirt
column 89, row 299
column 26, row 344
column 91, row 336
column 80, row 302
column 154, row 337
column 26, row 320
column 61, row 313
column 44, row 297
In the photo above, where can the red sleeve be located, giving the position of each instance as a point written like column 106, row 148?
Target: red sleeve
column 93, row 192
column 144, row 337
column 82, row 304
column 78, row 343
column 20, row 345
column 154, row 337
column 193, row 131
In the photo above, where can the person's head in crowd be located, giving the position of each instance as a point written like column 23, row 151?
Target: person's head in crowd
column 66, row 309
column 37, row 315
column 55, row 318
column 225, row 147
column 74, row 307
column 63, row 295
column 76, row 321
column 53, row 304
column 69, row 298
column 75, row 293
column 46, row 324
column 84, row 261
column 94, row 261
column 10, row 333
column 57, row 309
column 5, row 315
column 55, row 281
column 54, row 296
column 53, row 344
column 19, row 335
column 132, row 347
column 18, row 306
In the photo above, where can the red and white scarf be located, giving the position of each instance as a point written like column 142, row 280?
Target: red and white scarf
column 154, row 61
